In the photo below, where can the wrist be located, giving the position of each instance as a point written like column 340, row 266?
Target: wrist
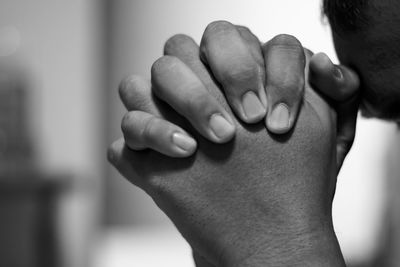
column 319, row 248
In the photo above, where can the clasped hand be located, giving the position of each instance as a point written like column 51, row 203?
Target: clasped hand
column 195, row 141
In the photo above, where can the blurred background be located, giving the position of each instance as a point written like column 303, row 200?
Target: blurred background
column 63, row 205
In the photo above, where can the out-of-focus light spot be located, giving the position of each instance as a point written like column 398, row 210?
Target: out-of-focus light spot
column 10, row 40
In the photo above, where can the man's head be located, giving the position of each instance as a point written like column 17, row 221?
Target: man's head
column 366, row 34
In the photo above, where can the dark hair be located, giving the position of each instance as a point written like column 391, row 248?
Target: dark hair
column 346, row 15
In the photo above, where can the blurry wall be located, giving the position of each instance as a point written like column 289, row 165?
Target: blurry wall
column 59, row 47
column 138, row 32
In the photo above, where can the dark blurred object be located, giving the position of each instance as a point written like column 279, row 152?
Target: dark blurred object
column 15, row 139
column 28, row 228
column 28, row 198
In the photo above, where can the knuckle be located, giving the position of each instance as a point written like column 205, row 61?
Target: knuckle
column 160, row 69
column 286, row 44
column 219, row 25
column 197, row 105
column 216, row 27
column 135, row 92
column 215, row 32
column 132, row 128
column 286, row 40
column 242, row 28
column 245, row 73
column 247, row 34
column 177, row 42
column 295, row 85
column 162, row 65
column 149, row 130
column 291, row 88
column 129, row 85
column 287, row 50
column 127, row 122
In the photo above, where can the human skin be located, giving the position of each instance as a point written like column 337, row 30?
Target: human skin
column 235, row 67
column 371, row 47
column 373, row 53
column 289, row 229
column 231, row 201
column 359, row 53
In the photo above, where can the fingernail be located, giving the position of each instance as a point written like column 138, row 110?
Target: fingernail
column 184, row 142
column 279, row 118
column 252, row 106
column 337, row 72
column 221, row 127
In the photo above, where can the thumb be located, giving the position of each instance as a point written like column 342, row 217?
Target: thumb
column 341, row 86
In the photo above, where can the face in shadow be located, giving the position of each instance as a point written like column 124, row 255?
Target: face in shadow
column 366, row 35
